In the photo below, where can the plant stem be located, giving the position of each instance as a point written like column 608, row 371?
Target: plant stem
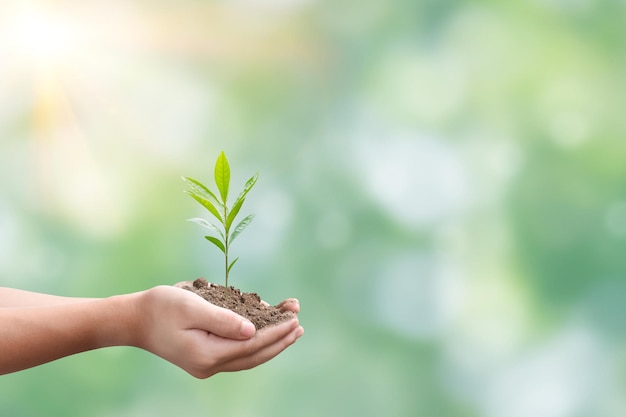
column 226, row 258
column 226, row 231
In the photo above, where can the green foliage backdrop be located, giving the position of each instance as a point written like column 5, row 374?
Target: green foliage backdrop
column 441, row 185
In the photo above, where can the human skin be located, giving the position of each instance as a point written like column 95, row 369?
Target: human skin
column 170, row 322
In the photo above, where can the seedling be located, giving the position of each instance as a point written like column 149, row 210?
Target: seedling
column 218, row 207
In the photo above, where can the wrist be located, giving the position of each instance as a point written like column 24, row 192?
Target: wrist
column 120, row 326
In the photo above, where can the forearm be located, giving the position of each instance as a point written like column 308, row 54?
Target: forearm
column 11, row 297
column 31, row 336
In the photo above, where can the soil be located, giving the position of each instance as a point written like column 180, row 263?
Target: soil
column 246, row 304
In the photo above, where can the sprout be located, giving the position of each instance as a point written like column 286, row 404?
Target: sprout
column 225, row 233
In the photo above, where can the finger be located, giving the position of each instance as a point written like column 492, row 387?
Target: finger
column 220, row 321
column 263, row 355
column 290, row 304
column 233, row 349
column 214, row 354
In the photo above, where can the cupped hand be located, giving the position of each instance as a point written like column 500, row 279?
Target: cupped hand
column 204, row 339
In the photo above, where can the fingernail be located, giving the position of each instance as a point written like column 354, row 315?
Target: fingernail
column 247, row 329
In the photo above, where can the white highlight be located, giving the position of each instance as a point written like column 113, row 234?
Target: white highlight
column 41, row 36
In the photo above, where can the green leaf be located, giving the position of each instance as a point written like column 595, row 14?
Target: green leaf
column 232, row 263
column 207, row 204
column 216, row 242
column 200, row 189
column 222, row 176
column 233, row 212
column 207, row 224
column 240, row 199
column 241, row 226
column 249, row 184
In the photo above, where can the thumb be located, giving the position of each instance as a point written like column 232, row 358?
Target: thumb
column 223, row 322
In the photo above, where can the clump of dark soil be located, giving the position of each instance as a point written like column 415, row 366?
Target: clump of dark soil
column 245, row 304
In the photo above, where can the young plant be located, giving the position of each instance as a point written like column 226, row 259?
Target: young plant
column 218, row 207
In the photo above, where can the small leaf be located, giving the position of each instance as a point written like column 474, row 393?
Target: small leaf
column 232, row 263
column 216, row 242
column 249, row 184
column 207, row 204
column 200, row 189
column 233, row 212
column 222, row 176
column 206, row 224
column 241, row 226
column 240, row 199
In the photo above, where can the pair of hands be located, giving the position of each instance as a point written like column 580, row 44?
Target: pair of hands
column 203, row 339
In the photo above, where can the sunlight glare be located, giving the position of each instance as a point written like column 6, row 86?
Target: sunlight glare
column 43, row 37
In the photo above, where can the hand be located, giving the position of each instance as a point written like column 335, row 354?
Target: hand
column 204, row 339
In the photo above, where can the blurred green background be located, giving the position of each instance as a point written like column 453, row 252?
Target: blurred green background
column 442, row 185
